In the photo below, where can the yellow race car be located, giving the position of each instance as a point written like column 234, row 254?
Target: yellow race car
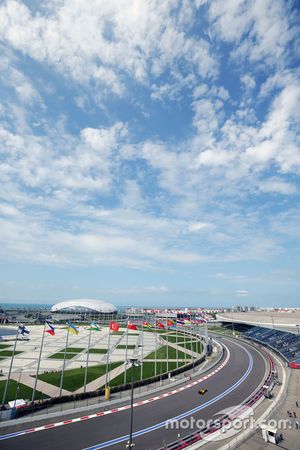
column 202, row 391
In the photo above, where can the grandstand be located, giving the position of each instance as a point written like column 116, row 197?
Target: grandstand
column 283, row 342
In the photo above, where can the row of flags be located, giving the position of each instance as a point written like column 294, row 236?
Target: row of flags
column 114, row 326
column 50, row 329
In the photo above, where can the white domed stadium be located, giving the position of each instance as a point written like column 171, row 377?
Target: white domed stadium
column 83, row 309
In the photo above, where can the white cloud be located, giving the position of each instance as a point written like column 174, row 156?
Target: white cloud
column 144, row 32
column 248, row 81
column 260, row 29
column 278, row 186
column 242, row 293
column 198, row 226
column 214, row 158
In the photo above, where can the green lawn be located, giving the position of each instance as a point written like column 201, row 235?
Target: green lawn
column 146, row 329
column 74, row 378
column 188, row 346
column 173, row 339
column 6, row 353
column 98, row 350
column 73, row 349
column 223, row 330
column 148, row 372
column 61, row 356
column 24, row 392
column 5, row 345
column 162, row 353
column 121, row 346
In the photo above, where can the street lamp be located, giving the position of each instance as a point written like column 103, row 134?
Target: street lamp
column 17, row 389
column 134, row 363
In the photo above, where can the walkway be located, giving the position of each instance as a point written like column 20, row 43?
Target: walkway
column 42, row 386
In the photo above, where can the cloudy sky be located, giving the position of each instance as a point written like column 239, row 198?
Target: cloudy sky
column 150, row 151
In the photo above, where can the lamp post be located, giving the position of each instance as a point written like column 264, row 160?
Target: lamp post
column 17, row 389
column 134, row 363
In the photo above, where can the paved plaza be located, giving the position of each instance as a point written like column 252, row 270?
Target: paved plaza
column 140, row 344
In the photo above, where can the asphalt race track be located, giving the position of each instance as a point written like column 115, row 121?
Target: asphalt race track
column 230, row 386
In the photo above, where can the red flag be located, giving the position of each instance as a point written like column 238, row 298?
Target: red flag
column 160, row 325
column 51, row 329
column 131, row 326
column 114, row 326
column 170, row 322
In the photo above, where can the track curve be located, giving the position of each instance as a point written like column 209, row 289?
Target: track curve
column 228, row 387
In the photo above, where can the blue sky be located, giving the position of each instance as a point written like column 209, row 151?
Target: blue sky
column 150, row 151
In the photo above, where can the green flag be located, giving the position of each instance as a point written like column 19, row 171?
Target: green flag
column 95, row 327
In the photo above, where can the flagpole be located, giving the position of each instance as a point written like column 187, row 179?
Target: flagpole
column 167, row 346
column 107, row 359
column 10, row 368
column 176, row 344
column 63, row 367
column 142, row 343
column 184, row 342
column 197, row 341
column 38, row 365
column 126, row 355
column 87, row 360
column 155, row 354
column 192, row 342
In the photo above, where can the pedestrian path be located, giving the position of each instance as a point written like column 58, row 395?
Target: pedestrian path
column 46, row 388
column 99, row 382
column 181, row 349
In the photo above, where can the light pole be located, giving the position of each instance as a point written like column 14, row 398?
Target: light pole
column 134, row 363
column 17, row 389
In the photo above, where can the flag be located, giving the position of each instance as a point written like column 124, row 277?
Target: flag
column 114, row 326
column 200, row 320
column 131, row 326
column 180, row 322
column 147, row 324
column 160, row 325
column 51, row 329
column 95, row 327
column 187, row 322
column 23, row 330
column 72, row 328
column 170, row 323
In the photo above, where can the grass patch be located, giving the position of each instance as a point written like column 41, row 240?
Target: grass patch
column 121, row 346
column 118, row 332
column 24, row 392
column 98, row 350
column 173, row 339
column 148, row 372
column 73, row 349
column 161, row 353
column 223, row 330
column 188, row 346
column 6, row 353
column 153, row 331
column 74, row 378
column 61, row 356
column 5, row 345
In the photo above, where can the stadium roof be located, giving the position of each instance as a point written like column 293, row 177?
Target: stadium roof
column 84, row 305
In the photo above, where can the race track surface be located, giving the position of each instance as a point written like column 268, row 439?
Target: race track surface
column 228, row 387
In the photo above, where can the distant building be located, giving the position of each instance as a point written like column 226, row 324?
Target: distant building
column 83, row 310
